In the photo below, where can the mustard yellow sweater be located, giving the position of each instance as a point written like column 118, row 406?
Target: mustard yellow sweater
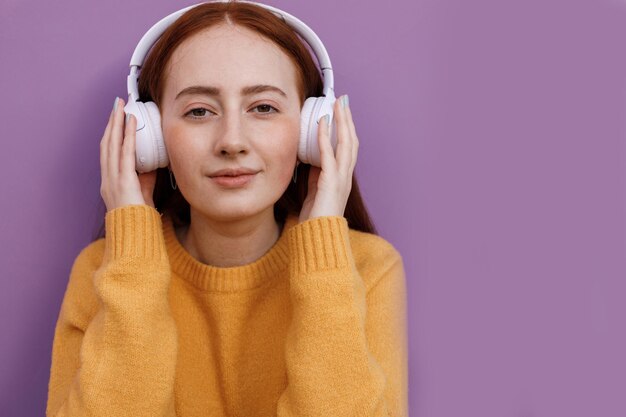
column 315, row 327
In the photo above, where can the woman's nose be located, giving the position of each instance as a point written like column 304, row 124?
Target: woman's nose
column 231, row 141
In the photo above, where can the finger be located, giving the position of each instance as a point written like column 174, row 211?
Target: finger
column 327, row 158
column 115, row 140
column 127, row 164
column 104, row 144
column 344, row 139
column 147, row 182
column 355, row 139
column 113, row 110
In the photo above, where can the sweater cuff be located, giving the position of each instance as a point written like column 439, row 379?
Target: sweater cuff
column 134, row 231
column 320, row 243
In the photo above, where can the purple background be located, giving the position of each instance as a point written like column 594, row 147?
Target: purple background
column 492, row 155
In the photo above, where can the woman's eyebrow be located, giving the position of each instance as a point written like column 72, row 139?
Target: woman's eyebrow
column 208, row 90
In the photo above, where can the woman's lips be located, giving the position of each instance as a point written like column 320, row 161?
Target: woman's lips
column 234, row 181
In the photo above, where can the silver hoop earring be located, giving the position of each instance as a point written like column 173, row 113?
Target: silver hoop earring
column 295, row 172
column 172, row 179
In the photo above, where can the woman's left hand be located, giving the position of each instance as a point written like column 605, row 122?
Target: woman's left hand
column 329, row 187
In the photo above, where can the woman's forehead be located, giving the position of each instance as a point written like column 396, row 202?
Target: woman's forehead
column 229, row 53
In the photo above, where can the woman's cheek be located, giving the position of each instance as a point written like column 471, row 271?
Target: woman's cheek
column 175, row 143
column 287, row 153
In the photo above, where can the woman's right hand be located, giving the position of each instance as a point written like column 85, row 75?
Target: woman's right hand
column 121, row 184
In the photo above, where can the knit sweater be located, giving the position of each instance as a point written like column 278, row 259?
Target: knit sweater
column 315, row 327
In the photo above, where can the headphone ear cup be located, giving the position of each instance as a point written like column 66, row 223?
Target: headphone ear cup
column 312, row 110
column 305, row 121
column 149, row 145
column 156, row 133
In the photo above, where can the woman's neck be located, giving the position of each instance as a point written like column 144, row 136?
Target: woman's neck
column 228, row 244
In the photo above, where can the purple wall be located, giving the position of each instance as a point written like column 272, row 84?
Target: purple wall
column 492, row 155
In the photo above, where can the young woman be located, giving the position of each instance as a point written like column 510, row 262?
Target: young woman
column 236, row 282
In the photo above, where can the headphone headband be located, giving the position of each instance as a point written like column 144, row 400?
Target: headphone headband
column 155, row 32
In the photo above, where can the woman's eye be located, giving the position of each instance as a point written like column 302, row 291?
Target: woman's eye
column 197, row 113
column 265, row 108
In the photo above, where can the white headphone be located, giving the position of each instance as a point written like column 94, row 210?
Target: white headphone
column 150, row 147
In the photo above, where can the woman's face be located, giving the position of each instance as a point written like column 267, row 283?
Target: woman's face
column 230, row 104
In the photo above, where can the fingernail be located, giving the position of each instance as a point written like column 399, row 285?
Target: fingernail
column 115, row 104
column 127, row 118
column 345, row 102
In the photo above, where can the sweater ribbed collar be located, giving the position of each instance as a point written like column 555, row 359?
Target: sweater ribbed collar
column 269, row 267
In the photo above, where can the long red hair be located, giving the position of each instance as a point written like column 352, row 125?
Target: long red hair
column 310, row 84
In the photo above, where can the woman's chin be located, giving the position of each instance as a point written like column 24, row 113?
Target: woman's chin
column 228, row 213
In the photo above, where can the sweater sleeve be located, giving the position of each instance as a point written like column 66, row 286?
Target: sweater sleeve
column 346, row 348
column 119, row 359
